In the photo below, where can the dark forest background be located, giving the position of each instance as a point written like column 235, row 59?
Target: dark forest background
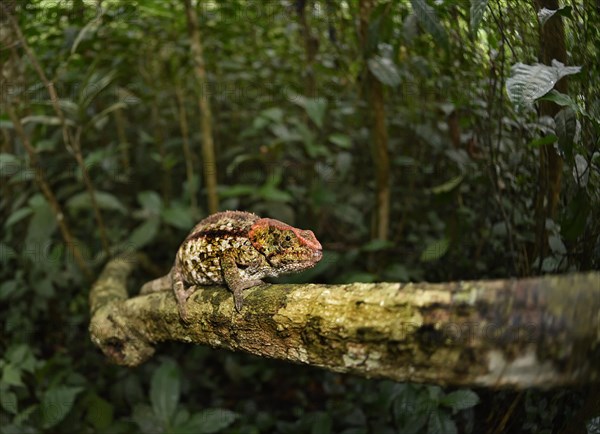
column 420, row 140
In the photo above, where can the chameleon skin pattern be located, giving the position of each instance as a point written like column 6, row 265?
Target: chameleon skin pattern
column 237, row 249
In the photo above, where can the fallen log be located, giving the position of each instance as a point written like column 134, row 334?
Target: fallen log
column 534, row 332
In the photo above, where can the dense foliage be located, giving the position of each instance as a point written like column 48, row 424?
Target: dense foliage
column 469, row 110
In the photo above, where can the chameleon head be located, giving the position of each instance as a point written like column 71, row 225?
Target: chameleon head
column 286, row 248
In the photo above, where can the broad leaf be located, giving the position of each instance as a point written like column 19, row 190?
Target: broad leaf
column 460, row 399
column 581, row 171
column 566, row 129
column 144, row 233
column 545, row 14
column 150, row 201
column 178, row 216
column 478, row 8
column 560, row 98
column 103, row 200
column 164, row 391
column 17, row 216
column 430, row 21
column 546, row 140
column 56, row 404
column 448, row 185
column 385, row 70
column 209, row 421
column 8, row 401
column 341, row 140
column 530, row 82
column 435, row 250
column 315, row 109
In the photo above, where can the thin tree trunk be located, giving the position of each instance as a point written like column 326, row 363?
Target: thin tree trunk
column 311, row 44
column 379, row 147
column 552, row 44
column 208, row 147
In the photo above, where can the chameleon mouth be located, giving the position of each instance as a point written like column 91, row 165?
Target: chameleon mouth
column 317, row 255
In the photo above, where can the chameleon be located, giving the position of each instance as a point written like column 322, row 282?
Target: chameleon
column 237, row 249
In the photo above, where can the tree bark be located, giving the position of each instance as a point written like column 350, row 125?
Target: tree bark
column 552, row 45
column 208, row 146
column 522, row 333
column 311, row 45
column 379, row 147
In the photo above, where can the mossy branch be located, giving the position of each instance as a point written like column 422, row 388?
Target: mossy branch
column 522, row 333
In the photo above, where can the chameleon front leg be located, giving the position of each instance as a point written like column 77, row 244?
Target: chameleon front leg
column 181, row 292
column 235, row 281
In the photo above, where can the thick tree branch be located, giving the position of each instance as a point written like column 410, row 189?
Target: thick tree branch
column 532, row 332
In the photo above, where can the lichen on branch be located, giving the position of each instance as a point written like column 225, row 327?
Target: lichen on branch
column 521, row 333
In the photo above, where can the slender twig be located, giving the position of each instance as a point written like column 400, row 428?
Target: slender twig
column 40, row 179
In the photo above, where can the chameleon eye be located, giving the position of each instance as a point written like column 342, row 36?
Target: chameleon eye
column 288, row 238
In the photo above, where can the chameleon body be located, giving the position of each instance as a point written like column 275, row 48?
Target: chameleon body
column 236, row 249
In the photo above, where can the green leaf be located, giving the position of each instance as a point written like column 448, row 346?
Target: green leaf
column 56, row 404
column 150, row 200
column 430, row 21
column 566, row 129
column 9, row 164
column 274, row 114
column 145, row 418
column 527, row 83
column 448, row 185
column 99, row 413
column 581, row 171
column 385, row 70
column 41, row 226
column 341, row 140
column 164, row 391
column 440, row 423
column 272, row 193
column 90, row 27
column 435, row 250
column 103, row 200
column 236, row 191
column 460, row 399
column 209, row 421
column 144, row 233
column 377, row 245
column 8, row 288
column 545, row 14
column 11, row 375
column 478, row 8
column 556, row 244
column 22, row 356
column 178, row 216
column 17, row 216
column 315, row 109
column 546, row 140
column 560, row 98
column 8, row 401
column 45, row 120
column 6, row 253
column 100, row 119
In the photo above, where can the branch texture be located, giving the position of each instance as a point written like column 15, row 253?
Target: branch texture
column 522, row 333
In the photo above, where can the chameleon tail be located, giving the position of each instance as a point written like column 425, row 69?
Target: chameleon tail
column 164, row 283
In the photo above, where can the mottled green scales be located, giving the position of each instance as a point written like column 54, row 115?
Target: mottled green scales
column 236, row 249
